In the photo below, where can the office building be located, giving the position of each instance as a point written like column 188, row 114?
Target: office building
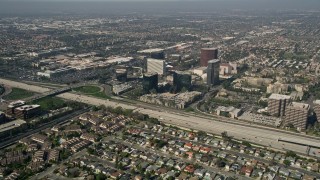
column 2, row 117
column 213, row 72
column 27, row 111
column 156, row 53
column 200, row 71
column 277, row 104
column 149, row 82
column 13, row 105
column 121, row 75
column 316, row 109
column 297, row 115
column 208, row 54
column 181, row 80
column 156, row 66
column 228, row 68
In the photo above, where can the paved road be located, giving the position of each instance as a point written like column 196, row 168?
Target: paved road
column 255, row 134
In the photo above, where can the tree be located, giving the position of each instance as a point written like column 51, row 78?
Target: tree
column 100, row 177
column 291, row 154
column 202, row 133
column 261, row 154
column 225, row 136
column 287, row 162
column 220, row 163
column 246, row 143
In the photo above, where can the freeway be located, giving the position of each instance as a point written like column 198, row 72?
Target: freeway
column 215, row 125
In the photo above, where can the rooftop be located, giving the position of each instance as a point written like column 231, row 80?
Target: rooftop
column 208, row 49
column 297, row 105
column 151, row 50
column 279, row 96
column 183, row 72
column 11, row 125
column 316, row 102
column 152, row 59
column 27, row 107
column 16, row 103
column 214, row 61
column 148, row 74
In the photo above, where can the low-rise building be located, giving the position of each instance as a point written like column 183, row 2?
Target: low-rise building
column 54, row 155
column 230, row 111
column 39, row 138
column 179, row 101
column 38, row 156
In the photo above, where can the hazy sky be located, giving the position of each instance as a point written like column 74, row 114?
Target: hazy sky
column 35, row 7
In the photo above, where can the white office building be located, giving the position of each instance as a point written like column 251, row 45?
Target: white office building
column 156, row 66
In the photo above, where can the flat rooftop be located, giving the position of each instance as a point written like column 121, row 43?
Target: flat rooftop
column 16, row 103
column 11, row 125
column 316, row 102
column 202, row 68
column 214, row 61
column 183, row 72
column 152, row 59
column 279, row 96
column 28, row 107
column 297, row 105
column 208, row 49
column 148, row 74
column 151, row 50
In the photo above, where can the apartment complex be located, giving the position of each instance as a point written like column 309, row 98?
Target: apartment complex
column 277, row 104
column 297, row 114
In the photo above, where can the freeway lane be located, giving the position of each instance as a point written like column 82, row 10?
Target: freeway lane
column 253, row 134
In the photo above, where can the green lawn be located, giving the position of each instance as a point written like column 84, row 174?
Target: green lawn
column 50, row 103
column 92, row 91
column 88, row 89
column 18, row 93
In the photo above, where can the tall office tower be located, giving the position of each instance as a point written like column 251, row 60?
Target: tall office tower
column 149, row 82
column 213, row 72
column 316, row 109
column 208, row 54
column 156, row 66
column 297, row 115
column 277, row 104
column 181, row 80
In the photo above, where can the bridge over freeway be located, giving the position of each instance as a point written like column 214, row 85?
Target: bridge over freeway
column 54, row 92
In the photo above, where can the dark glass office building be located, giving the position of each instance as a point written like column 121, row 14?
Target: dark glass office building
column 213, row 72
column 181, row 80
column 149, row 82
